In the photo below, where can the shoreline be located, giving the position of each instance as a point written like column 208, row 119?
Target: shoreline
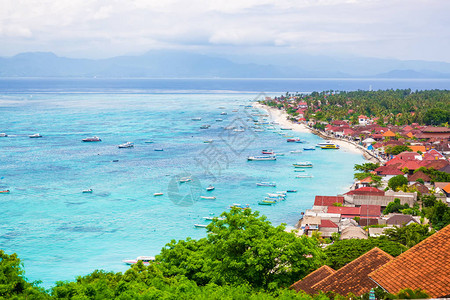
column 281, row 116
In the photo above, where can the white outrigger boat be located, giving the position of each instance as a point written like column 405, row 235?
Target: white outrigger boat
column 126, row 145
column 261, row 158
column 200, row 225
column 304, row 176
column 303, row 164
column 145, row 260
column 266, row 184
column 208, row 197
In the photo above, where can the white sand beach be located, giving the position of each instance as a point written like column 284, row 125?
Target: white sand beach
column 281, row 116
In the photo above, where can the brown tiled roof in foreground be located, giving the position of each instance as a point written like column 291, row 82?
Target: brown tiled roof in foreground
column 353, row 277
column 307, row 282
column 425, row 266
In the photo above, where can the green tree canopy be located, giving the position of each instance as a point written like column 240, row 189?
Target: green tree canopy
column 12, row 283
column 397, row 181
column 397, row 149
column 436, row 116
column 409, row 235
column 243, row 248
column 344, row 251
column 438, row 214
column 395, row 207
column 366, row 167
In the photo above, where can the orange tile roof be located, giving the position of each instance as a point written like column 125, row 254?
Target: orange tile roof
column 307, row 282
column 425, row 266
column 389, row 134
column 447, row 188
column 417, row 148
column 353, row 277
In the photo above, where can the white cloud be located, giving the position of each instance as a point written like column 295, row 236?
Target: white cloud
column 113, row 27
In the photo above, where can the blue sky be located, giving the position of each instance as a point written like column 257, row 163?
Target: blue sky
column 407, row 29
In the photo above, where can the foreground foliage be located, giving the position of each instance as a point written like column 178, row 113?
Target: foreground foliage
column 242, row 257
column 12, row 283
column 344, row 251
column 242, row 249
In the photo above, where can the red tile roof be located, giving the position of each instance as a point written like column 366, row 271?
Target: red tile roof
column 366, row 191
column 433, row 154
column 327, row 224
column 353, row 277
column 388, row 170
column 417, row 175
column 307, row 282
column 436, row 129
column 411, row 165
column 370, row 211
column 344, row 210
column 328, row 200
column 425, row 266
column 435, row 164
column 395, row 160
column 408, row 155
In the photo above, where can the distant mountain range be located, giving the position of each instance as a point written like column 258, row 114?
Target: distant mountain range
column 180, row 64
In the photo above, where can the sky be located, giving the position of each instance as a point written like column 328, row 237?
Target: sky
column 399, row 29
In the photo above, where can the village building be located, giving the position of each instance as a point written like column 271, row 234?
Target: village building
column 353, row 277
column 307, row 282
column 425, row 266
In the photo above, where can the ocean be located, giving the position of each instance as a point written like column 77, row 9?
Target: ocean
column 60, row 232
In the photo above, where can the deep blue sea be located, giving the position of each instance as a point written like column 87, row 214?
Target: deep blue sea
column 60, row 232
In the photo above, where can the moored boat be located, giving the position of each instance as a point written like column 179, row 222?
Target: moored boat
column 158, row 149
column 158, row 194
column 200, row 225
column 145, row 260
column 303, row 164
column 3, row 135
column 267, row 152
column 210, row 188
column 293, row 140
column 208, row 197
column 185, row 179
column 331, row 146
column 266, row 184
column 206, row 126
column 196, row 119
column 261, row 158
column 304, row 176
column 36, row 135
column 266, row 202
column 240, row 206
column 88, row 191
column 309, row 148
column 291, row 191
column 214, row 218
column 126, row 145
column 5, row 192
column 92, row 139
column 296, row 151
column 324, row 144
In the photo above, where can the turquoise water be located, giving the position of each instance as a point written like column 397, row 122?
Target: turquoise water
column 60, row 232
